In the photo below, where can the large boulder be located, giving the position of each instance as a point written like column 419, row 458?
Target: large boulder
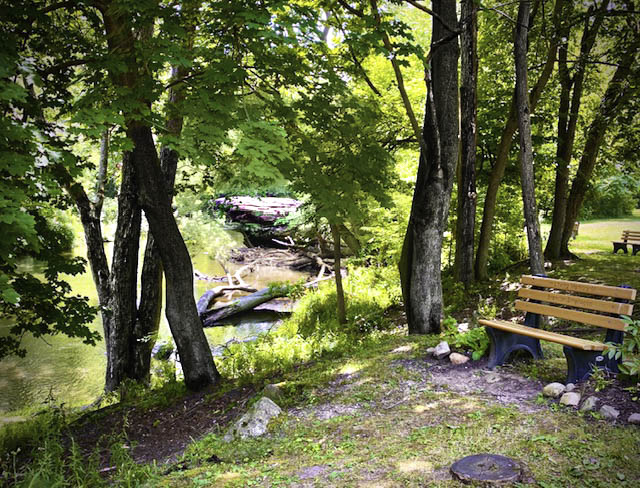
column 254, row 423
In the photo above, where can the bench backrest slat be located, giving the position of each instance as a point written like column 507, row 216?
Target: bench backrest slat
column 586, row 288
column 577, row 301
column 630, row 235
column 573, row 315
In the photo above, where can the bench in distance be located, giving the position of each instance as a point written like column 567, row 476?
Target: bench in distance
column 628, row 237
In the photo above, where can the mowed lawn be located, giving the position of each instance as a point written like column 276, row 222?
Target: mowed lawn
column 597, row 235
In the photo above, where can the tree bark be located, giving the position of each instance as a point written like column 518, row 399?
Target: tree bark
column 618, row 90
column 211, row 318
column 337, row 255
column 124, row 274
column 568, row 114
column 182, row 315
column 149, row 310
column 153, row 198
column 502, row 155
column 422, row 286
column 465, row 225
column 536, row 259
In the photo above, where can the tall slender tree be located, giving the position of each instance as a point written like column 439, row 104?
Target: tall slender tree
column 526, row 147
column 466, row 212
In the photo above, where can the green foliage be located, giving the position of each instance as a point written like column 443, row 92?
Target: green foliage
column 599, row 379
column 313, row 330
column 56, row 463
column 614, row 196
column 629, row 351
column 474, row 339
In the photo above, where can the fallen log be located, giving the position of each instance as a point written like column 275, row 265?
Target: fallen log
column 210, row 295
column 212, row 318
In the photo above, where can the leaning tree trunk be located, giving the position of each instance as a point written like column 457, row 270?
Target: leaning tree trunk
column 337, row 255
column 182, row 315
column 153, row 197
column 149, row 310
column 502, row 155
column 618, row 90
column 436, row 173
column 526, row 149
column 465, row 225
column 568, row 114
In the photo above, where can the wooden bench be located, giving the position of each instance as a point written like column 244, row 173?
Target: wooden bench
column 628, row 237
column 582, row 303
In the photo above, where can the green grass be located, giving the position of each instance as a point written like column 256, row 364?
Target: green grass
column 391, row 426
column 597, row 235
column 403, row 433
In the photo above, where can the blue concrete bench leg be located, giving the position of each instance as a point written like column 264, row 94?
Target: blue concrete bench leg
column 504, row 343
column 580, row 363
column 618, row 246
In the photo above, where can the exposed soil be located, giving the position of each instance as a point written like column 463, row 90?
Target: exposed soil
column 160, row 433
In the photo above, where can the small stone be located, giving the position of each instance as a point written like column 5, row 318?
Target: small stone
column 430, row 351
column 463, row 327
column 569, row 387
column 553, row 390
column 272, row 392
column 571, row 399
column 634, row 418
column 608, row 412
column 457, row 358
column 442, row 350
column 589, row 404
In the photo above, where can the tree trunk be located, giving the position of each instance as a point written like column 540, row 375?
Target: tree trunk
column 568, row 114
column 149, row 310
column 153, row 198
column 526, row 149
column 502, row 155
column 436, row 173
column 618, row 90
column 182, row 315
column 342, row 310
column 124, row 273
column 465, row 227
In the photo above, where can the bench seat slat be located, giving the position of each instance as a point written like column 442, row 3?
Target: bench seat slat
column 586, row 288
column 573, row 315
column 583, row 344
column 577, row 301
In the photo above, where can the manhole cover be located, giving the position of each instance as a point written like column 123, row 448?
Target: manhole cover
column 487, row 468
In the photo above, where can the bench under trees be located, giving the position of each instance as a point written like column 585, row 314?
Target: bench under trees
column 581, row 303
column 631, row 237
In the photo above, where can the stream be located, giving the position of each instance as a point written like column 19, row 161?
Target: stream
column 70, row 372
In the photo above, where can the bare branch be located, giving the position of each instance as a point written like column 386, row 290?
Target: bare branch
column 353, row 10
column 419, row 6
column 363, row 72
column 398, row 73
